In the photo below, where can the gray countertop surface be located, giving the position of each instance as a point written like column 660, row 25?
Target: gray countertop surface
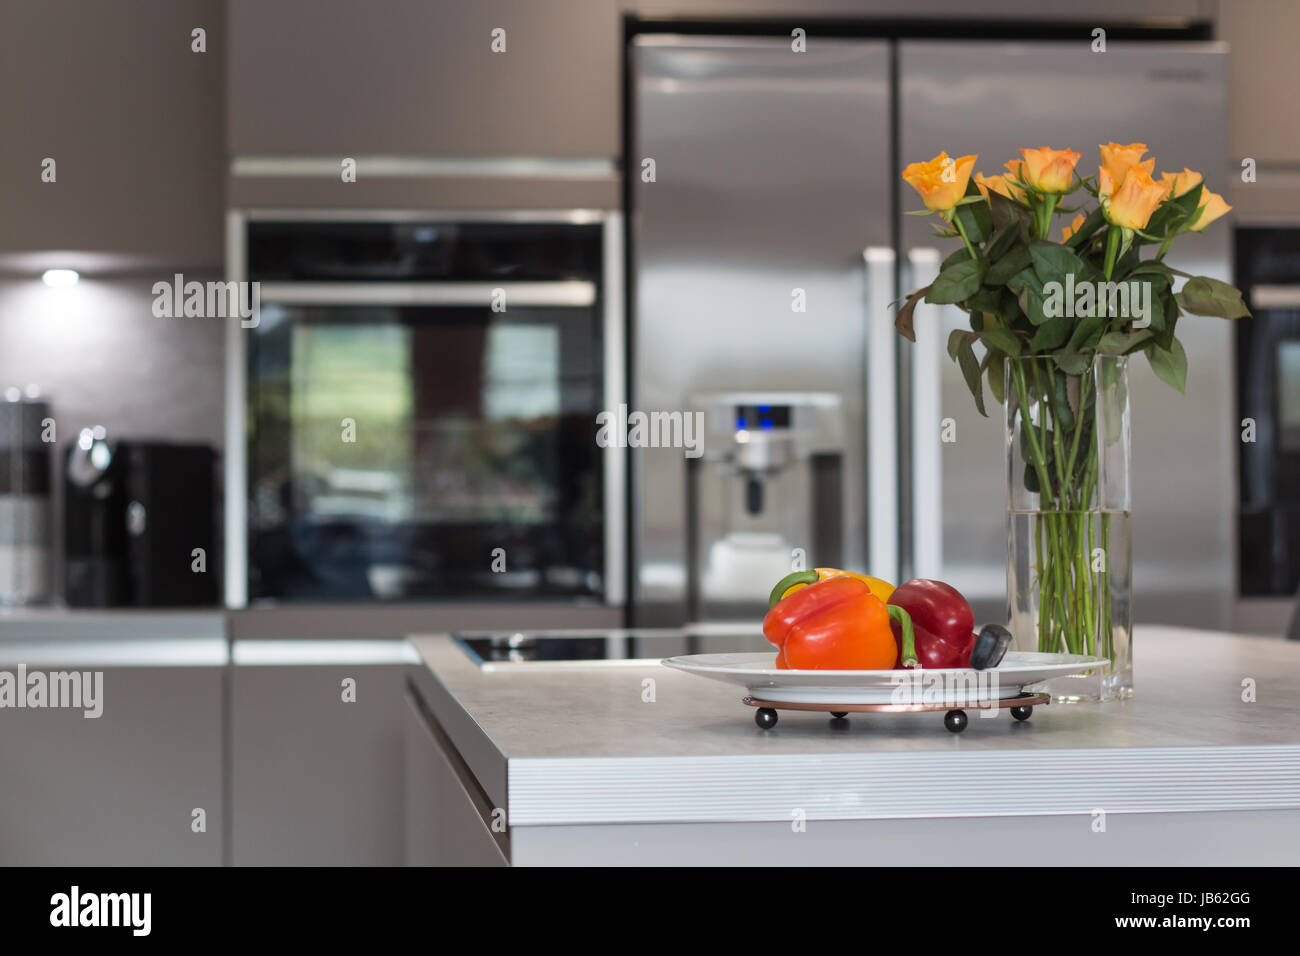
column 584, row 745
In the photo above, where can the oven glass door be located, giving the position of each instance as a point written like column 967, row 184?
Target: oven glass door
column 411, row 441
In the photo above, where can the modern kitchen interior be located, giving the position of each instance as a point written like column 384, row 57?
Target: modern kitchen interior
column 646, row 433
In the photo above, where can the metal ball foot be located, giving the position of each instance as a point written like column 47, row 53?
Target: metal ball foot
column 837, row 714
column 1022, row 712
column 765, row 717
column 955, row 720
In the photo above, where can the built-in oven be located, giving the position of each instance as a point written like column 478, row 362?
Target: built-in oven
column 418, row 398
column 1268, row 398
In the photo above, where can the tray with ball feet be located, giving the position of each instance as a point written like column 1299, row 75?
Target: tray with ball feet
column 954, row 717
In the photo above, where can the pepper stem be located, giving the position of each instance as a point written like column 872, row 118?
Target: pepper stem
column 904, row 620
column 787, row 582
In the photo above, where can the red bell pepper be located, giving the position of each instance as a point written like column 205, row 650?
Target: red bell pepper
column 943, row 622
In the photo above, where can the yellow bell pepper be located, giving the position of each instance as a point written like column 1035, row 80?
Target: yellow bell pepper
column 801, row 579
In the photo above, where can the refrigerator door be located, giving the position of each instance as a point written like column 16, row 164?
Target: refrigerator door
column 762, row 262
column 992, row 98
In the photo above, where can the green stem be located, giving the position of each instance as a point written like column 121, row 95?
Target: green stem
column 1112, row 245
column 908, row 655
column 961, row 231
column 789, row 581
column 1044, row 216
column 1026, row 425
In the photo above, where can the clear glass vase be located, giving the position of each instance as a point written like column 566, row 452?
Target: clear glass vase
column 1070, row 569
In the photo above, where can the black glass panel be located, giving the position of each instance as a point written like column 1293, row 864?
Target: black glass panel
column 1268, row 405
column 405, row 453
column 421, row 251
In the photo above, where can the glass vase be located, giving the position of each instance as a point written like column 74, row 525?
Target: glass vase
column 1070, row 570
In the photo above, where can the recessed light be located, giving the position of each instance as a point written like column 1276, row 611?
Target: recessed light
column 60, row 278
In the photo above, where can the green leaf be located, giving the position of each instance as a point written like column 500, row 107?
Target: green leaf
column 903, row 321
column 955, row 283
column 1000, row 242
column 970, row 370
column 1062, row 414
column 1169, row 364
column 1174, row 214
column 1008, row 267
column 1202, row 295
column 1051, row 334
column 1121, row 343
column 1032, row 304
column 1053, row 262
column 955, row 338
column 1031, row 478
column 994, row 365
column 1086, row 334
column 1073, row 363
column 1002, row 339
column 1164, row 329
column 960, row 254
column 974, row 217
column 1005, row 213
column 985, row 300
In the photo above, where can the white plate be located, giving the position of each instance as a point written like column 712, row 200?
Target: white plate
column 755, row 672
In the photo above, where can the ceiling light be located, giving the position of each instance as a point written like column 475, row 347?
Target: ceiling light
column 60, row 278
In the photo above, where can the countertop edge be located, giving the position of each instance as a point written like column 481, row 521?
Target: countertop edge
column 549, row 791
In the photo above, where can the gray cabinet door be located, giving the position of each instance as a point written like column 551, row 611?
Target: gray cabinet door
column 316, row 777
column 120, row 789
column 991, row 99
column 444, row 810
column 414, row 78
column 131, row 116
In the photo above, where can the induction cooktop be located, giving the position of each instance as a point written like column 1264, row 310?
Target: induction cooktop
column 497, row 650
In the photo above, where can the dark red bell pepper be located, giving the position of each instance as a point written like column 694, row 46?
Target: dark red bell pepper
column 942, row 621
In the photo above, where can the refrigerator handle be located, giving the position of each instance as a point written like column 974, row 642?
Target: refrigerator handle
column 614, row 461
column 881, row 415
column 927, row 419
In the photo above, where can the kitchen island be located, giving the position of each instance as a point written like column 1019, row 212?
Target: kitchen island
column 635, row 763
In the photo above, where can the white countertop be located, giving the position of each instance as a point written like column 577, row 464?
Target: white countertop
column 579, row 745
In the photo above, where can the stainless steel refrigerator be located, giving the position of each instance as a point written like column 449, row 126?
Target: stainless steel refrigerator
column 768, row 242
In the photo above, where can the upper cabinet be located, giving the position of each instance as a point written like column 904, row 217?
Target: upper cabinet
column 112, row 126
column 419, row 78
column 1263, row 76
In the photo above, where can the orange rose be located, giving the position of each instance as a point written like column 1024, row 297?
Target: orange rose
column 1051, row 170
column 1131, row 204
column 1117, row 159
column 942, row 181
column 1181, row 183
column 1211, row 208
column 1002, row 185
column 1072, row 228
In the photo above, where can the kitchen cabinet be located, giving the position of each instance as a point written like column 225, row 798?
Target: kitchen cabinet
column 140, row 785
column 316, row 763
column 593, row 772
column 413, row 78
column 444, row 808
column 1262, row 79
column 132, row 118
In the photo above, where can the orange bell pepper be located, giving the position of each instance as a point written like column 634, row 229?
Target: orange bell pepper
column 838, row 624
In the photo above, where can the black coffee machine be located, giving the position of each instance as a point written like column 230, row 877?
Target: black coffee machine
column 139, row 523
